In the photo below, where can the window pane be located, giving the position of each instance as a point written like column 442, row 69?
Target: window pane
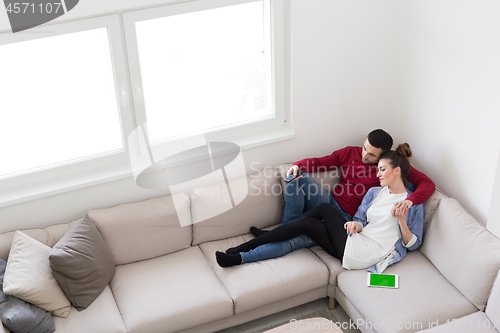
column 203, row 70
column 58, row 101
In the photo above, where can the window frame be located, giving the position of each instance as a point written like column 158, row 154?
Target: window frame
column 277, row 65
column 15, row 183
column 107, row 167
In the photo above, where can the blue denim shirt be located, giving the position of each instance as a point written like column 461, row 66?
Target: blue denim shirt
column 414, row 220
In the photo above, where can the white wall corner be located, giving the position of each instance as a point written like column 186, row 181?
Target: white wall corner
column 493, row 223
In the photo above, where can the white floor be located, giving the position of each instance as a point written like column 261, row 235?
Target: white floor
column 285, row 316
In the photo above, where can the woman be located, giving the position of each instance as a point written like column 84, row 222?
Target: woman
column 382, row 230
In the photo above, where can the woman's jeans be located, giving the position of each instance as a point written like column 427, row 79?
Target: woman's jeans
column 301, row 195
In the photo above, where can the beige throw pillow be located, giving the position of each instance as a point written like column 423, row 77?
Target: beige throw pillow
column 28, row 276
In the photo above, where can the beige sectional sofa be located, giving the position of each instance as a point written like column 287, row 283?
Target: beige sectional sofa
column 167, row 280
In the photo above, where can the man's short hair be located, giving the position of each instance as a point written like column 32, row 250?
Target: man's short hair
column 380, row 139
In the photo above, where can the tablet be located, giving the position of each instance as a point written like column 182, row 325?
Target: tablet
column 383, row 280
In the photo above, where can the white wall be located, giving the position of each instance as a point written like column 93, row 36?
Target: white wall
column 494, row 216
column 342, row 56
column 446, row 93
column 422, row 70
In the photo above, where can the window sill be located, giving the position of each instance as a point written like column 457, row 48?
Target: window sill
column 57, row 185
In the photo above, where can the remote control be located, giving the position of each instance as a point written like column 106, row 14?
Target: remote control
column 292, row 176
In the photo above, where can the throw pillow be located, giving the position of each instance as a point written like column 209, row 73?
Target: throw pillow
column 22, row 317
column 28, row 276
column 82, row 264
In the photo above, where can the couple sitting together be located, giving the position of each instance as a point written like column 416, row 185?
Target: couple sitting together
column 370, row 220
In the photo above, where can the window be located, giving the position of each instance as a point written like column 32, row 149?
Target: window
column 204, row 67
column 204, row 70
column 72, row 93
column 61, row 105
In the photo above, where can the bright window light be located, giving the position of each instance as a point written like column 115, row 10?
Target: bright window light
column 58, row 101
column 204, row 70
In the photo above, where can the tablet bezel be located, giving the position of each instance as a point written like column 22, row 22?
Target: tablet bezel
column 396, row 281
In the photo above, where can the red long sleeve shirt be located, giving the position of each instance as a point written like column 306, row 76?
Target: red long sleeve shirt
column 356, row 177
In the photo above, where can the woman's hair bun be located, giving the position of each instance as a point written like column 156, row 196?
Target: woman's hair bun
column 404, row 150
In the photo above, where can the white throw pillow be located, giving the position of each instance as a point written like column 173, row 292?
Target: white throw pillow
column 28, row 276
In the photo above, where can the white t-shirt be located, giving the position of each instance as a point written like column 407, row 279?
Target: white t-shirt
column 377, row 239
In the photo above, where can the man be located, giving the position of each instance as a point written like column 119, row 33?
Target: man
column 358, row 167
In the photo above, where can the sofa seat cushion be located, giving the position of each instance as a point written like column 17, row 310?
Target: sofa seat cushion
column 101, row 316
column 259, row 283
column 170, row 293
column 423, row 295
column 476, row 322
column 333, row 264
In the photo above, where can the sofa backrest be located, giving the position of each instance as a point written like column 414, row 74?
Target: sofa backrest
column 463, row 251
column 146, row 229
column 430, row 206
column 262, row 206
column 327, row 179
column 49, row 236
column 493, row 306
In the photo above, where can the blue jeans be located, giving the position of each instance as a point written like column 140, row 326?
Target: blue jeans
column 301, row 195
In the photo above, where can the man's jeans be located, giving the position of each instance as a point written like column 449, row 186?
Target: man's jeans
column 301, row 195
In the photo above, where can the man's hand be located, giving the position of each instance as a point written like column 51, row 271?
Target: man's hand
column 294, row 169
column 352, row 227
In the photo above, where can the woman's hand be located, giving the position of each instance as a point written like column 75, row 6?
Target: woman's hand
column 408, row 203
column 400, row 211
column 352, row 227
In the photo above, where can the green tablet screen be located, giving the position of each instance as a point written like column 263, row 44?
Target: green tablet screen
column 383, row 280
